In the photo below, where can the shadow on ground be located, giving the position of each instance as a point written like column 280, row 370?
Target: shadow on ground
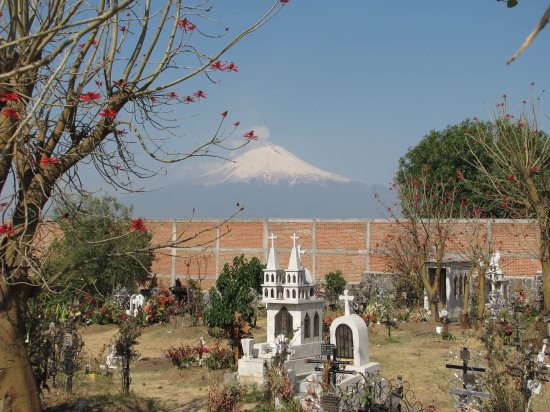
column 101, row 403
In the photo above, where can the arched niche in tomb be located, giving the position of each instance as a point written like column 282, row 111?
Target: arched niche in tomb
column 357, row 343
column 307, row 326
column 456, row 292
column 316, row 324
column 344, row 341
column 283, row 323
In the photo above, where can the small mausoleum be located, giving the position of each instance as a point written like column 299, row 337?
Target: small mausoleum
column 293, row 311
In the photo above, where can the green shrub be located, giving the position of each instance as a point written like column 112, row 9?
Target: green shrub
column 334, row 285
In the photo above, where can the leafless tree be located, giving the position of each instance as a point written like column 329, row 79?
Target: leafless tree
column 90, row 82
column 421, row 229
column 519, row 180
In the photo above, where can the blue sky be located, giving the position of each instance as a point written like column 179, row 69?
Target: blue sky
column 350, row 85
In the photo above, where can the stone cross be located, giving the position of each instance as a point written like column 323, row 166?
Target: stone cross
column 347, row 300
column 294, row 239
column 272, row 237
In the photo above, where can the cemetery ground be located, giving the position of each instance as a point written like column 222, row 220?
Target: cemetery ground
column 414, row 351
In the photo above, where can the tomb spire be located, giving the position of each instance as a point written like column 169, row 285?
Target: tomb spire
column 295, row 262
column 272, row 260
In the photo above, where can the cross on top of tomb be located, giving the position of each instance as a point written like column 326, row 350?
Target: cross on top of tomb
column 347, row 301
column 295, row 262
column 272, row 260
column 272, row 237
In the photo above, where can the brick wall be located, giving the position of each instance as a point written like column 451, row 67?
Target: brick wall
column 353, row 246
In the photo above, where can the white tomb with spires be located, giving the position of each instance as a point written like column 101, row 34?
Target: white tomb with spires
column 293, row 310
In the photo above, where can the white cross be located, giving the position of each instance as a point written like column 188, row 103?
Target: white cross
column 272, row 237
column 347, row 300
column 294, row 239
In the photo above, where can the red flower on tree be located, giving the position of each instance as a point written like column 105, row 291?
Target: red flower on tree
column 217, row 66
column 138, row 225
column 8, row 97
column 120, row 132
column 173, row 95
column 236, row 124
column 511, row 178
column 200, row 94
column 90, row 97
column 11, row 113
column 250, row 135
column 45, row 160
column 111, row 114
column 6, row 230
column 119, row 83
column 186, row 25
column 232, row 68
column 188, row 99
column 224, row 114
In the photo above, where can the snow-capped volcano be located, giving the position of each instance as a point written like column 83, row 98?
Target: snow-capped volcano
column 270, row 164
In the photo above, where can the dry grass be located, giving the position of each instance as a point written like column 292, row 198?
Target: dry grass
column 414, row 352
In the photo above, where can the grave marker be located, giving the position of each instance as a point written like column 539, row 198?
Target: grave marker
column 465, row 394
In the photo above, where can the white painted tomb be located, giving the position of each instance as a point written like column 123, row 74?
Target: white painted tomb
column 350, row 334
column 137, row 302
column 293, row 311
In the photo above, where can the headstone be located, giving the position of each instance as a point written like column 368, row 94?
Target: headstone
column 137, row 302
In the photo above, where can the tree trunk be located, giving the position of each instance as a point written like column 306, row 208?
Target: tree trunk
column 433, row 292
column 466, row 304
column 480, row 299
column 18, row 388
column 545, row 262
